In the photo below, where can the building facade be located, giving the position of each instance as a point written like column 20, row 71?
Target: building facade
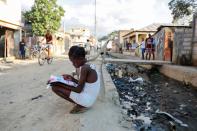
column 121, row 33
column 10, row 28
column 134, row 38
column 79, row 36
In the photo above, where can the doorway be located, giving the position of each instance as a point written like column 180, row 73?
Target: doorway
column 2, row 42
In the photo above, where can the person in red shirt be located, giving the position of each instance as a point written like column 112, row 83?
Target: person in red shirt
column 150, row 47
column 49, row 43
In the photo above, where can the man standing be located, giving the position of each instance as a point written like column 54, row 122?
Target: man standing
column 150, row 47
column 87, row 47
column 22, row 45
column 143, row 48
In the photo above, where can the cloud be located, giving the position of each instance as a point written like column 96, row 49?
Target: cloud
column 114, row 14
column 26, row 4
column 118, row 14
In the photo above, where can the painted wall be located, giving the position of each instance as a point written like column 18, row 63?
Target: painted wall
column 159, row 41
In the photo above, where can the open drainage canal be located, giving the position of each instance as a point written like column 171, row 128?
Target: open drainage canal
column 152, row 102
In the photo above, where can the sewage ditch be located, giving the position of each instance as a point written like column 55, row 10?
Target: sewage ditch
column 151, row 101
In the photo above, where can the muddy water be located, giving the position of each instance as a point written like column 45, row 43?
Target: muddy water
column 152, row 102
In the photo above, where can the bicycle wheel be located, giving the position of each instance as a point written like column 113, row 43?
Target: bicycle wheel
column 41, row 58
column 49, row 61
column 34, row 55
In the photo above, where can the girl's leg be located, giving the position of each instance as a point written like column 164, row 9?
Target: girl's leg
column 62, row 92
column 65, row 93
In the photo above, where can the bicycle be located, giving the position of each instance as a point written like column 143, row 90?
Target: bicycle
column 35, row 49
column 43, row 55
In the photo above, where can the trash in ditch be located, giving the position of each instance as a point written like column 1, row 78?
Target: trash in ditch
column 136, row 80
column 37, row 97
column 141, row 97
column 170, row 117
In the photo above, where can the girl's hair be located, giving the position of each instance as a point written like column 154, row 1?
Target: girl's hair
column 76, row 52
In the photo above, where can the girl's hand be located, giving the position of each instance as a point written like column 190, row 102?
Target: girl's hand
column 67, row 77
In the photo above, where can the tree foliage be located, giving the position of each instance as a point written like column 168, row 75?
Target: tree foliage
column 110, row 35
column 181, row 8
column 44, row 15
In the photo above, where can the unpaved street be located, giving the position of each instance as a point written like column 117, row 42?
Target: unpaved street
column 19, row 86
column 26, row 104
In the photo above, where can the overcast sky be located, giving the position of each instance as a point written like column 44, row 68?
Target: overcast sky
column 112, row 14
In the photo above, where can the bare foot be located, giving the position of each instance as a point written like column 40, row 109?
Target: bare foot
column 78, row 109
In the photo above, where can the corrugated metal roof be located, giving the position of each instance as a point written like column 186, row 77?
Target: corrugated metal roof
column 150, row 28
column 153, row 27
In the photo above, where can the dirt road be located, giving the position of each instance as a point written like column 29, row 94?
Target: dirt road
column 26, row 104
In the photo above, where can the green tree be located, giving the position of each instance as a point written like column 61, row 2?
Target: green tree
column 110, row 35
column 44, row 15
column 182, row 8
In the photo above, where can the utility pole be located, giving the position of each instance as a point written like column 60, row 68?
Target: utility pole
column 95, row 21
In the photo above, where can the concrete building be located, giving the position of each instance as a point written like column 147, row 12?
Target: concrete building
column 10, row 28
column 59, row 42
column 177, row 43
column 79, row 36
column 67, row 41
column 120, row 35
column 137, row 35
column 173, row 43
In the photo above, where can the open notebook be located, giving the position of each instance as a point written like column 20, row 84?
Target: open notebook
column 60, row 79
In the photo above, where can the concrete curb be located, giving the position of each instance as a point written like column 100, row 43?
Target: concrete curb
column 110, row 88
column 104, row 115
column 186, row 74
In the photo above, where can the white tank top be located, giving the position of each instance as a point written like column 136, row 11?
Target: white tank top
column 92, row 89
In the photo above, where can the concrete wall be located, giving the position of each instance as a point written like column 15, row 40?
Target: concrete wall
column 10, row 19
column 194, row 41
column 182, row 41
column 185, row 74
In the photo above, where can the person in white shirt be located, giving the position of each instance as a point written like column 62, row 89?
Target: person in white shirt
column 143, row 48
